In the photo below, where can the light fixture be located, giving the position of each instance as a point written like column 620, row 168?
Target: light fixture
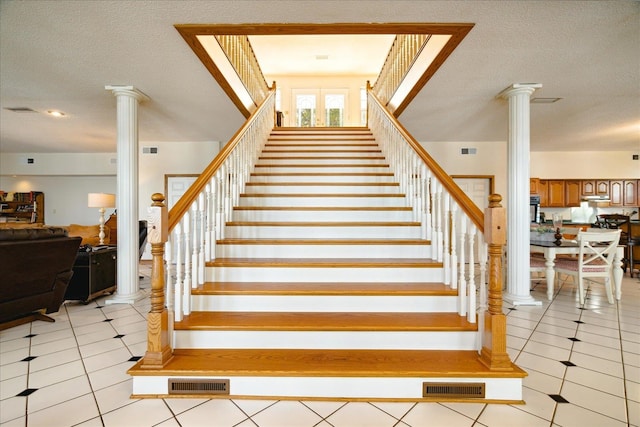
column 55, row 113
column 101, row 201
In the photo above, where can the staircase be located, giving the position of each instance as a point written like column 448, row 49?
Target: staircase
column 323, row 286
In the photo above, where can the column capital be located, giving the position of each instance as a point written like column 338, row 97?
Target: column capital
column 517, row 88
column 128, row 91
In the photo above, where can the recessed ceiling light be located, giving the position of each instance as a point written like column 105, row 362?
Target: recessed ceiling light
column 55, row 113
column 544, row 100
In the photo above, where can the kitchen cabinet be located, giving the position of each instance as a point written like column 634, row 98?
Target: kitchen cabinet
column 572, row 192
column 602, row 188
column 534, row 186
column 630, row 193
column 615, row 193
column 543, row 189
column 555, row 193
column 588, row 187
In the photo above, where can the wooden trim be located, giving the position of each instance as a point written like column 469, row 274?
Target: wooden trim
column 190, row 33
column 465, row 203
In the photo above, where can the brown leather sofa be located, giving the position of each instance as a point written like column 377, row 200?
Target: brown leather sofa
column 35, row 269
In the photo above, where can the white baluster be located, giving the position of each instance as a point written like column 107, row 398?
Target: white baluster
column 471, row 313
column 446, row 221
column 462, row 283
column 186, row 232
column 203, row 242
column 210, row 235
column 194, row 245
column 454, row 254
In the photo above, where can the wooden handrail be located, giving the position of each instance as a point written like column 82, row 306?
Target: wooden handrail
column 185, row 202
column 466, row 204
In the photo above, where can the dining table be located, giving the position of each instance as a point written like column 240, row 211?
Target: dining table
column 551, row 249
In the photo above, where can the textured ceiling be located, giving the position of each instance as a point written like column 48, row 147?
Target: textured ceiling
column 60, row 55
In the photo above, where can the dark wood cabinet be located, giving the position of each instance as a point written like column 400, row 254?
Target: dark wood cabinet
column 22, row 207
column 616, row 193
column 602, row 188
column 94, row 274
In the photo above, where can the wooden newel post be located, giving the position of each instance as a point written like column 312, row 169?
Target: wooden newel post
column 494, row 341
column 158, row 348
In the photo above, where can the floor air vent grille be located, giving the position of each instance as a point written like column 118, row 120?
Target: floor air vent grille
column 458, row 390
column 179, row 386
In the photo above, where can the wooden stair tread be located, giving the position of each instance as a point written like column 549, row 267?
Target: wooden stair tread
column 325, row 262
column 328, row 288
column 323, row 321
column 322, row 195
column 323, row 165
column 289, row 241
column 326, row 363
column 321, row 174
column 323, row 184
column 324, row 223
column 323, row 208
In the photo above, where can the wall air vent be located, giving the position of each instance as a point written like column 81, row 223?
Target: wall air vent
column 21, row 109
column 198, row 386
column 149, row 150
column 468, row 151
column 454, row 390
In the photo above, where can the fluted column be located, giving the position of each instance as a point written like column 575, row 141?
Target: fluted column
column 518, row 221
column 127, row 99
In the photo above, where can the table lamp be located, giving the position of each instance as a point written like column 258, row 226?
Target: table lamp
column 102, row 201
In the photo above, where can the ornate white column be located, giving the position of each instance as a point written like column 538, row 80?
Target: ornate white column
column 518, row 221
column 128, row 289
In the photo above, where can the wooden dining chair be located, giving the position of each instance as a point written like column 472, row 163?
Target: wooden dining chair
column 595, row 259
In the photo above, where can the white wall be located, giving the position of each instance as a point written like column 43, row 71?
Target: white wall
column 490, row 159
column 352, row 84
column 585, row 164
column 66, row 179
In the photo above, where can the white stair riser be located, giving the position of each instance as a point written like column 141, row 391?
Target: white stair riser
column 322, row 215
column 317, row 232
column 312, row 149
column 322, row 274
column 329, row 168
column 296, row 153
column 338, row 340
column 322, row 251
column 321, row 189
column 326, row 201
column 365, row 388
column 332, row 178
column 324, row 304
column 321, row 162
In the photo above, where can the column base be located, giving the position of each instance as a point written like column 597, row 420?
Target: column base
column 128, row 298
column 520, row 300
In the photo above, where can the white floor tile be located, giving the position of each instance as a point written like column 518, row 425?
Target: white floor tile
column 360, row 414
column 13, row 370
column 509, row 416
column 213, row 413
column 54, row 359
column 56, row 374
column 597, row 380
column 12, row 408
column 435, row 414
column 252, row 407
column 595, row 400
column 145, row 412
column 58, row 393
column 12, row 386
column 178, row 406
column 66, row 413
column 569, row 415
column 285, row 414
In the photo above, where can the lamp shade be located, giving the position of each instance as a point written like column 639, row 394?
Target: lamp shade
column 101, row 200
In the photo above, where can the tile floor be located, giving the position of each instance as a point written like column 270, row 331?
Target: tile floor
column 583, row 365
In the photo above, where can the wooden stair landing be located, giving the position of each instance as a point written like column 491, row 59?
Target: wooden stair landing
column 328, row 363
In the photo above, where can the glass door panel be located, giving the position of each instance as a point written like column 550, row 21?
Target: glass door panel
column 334, row 110
column 320, row 107
column 305, row 110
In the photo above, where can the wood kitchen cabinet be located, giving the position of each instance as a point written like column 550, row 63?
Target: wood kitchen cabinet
column 602, row 188
column 616, row 193
column 630, row 193
column 555, row 193
column 534, row 186
column 572, row 192
column 543, row 189
column 588, row 187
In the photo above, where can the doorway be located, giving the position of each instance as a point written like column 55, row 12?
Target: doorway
column 320, row 107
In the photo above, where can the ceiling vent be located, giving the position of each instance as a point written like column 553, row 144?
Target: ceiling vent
column 21, row 109
column 544, row 100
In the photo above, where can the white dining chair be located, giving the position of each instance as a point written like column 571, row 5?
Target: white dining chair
column 594, row 260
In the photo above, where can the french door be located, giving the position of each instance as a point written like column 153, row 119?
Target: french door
column 320, row 107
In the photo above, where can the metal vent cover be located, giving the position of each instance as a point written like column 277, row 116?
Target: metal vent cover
column 456, row 390
column 198, row 386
